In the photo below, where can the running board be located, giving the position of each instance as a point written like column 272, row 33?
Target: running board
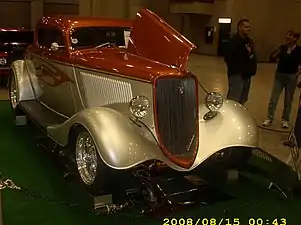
column 40, row 115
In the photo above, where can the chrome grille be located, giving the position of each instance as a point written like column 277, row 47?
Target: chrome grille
column 176, row 114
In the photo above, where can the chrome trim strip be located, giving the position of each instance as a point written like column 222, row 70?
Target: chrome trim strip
column 77, row 86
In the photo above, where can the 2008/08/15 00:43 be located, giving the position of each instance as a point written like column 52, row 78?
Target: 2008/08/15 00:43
column 223, row 221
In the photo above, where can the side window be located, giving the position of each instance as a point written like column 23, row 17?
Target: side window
column 46, row 36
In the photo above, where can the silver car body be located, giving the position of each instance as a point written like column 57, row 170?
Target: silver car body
column 99, row 101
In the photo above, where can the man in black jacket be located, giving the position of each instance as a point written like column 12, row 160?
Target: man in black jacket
column 241, row 63
column 289, row 60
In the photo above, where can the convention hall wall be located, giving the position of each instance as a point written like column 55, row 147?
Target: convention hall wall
column 15, row 14
column 62, row 7
column 26, row 13
column 270, row 18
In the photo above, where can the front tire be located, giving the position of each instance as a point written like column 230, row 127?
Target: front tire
column 91, row 169
column 231, row 158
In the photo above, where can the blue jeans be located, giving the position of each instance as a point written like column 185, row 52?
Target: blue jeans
column 239, row 87
column 288, row 83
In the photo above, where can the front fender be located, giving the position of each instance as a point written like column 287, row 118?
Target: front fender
column 120, row 142
column 233, row 126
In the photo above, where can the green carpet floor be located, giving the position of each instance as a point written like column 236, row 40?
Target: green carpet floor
column 28, row 166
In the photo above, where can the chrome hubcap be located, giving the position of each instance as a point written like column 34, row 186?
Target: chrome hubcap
column 86, row 158
column 13, row 93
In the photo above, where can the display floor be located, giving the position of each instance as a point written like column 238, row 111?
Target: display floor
column 30, row 167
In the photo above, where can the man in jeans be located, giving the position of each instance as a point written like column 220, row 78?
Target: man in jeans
column 241, row 63
column 289, row 59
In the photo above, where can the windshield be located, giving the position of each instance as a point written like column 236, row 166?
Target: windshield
column 16, row 36
column 90, row 37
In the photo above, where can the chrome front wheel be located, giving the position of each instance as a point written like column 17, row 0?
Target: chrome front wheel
column 86, row 158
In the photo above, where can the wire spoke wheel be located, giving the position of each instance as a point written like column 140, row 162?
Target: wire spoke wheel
column 86, row 158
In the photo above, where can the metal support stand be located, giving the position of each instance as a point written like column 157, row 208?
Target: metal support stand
column 104, row 205
column 294, row 159
column 1, row 217
column 20, row 120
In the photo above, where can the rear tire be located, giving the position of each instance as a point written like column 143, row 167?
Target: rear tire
column 13, row 96
column 92, row 171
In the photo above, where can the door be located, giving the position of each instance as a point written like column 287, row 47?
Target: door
column 224, row 33
column 54, row 75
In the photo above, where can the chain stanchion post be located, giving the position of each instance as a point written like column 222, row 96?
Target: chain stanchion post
column 1, row 212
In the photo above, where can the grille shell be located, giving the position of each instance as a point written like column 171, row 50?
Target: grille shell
column 176, row 117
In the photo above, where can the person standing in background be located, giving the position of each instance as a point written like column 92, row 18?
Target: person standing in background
column 241, row 63
column 289, row 59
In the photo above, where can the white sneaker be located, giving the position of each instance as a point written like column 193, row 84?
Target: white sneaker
column 284, row 124
column 267, row 123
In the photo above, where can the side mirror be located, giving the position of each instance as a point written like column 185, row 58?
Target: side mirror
column 55, row 46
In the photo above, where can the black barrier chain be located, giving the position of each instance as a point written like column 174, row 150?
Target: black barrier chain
column 106, row 209
column 9, row 184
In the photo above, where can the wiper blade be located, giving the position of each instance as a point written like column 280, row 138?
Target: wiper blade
column 104, row 44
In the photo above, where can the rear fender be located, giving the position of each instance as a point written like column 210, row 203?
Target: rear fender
column 120, row 142
column 24, row 88
column 233, row 126
column 25, row 81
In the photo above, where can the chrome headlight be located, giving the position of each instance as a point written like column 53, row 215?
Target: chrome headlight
column 214, row 101
column 139, row 106
column 3, row 61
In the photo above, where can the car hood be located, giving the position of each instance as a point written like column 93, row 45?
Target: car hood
column 154, row 39
column 120, row 62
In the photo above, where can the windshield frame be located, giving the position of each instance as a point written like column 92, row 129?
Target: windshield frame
column 123, row 29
